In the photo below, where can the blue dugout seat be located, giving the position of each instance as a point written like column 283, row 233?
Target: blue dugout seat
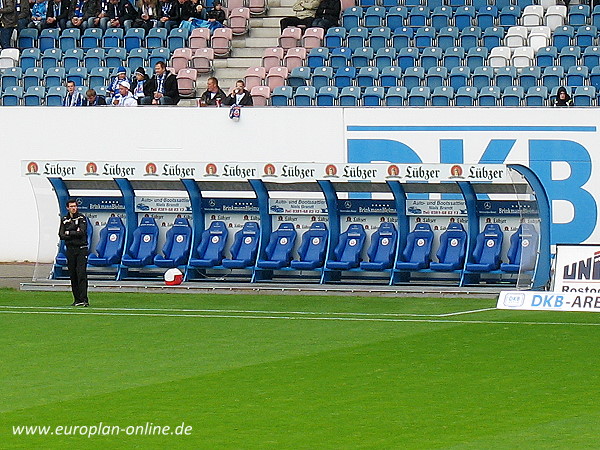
column 346, row 254
column 176, row 248
column 110, row 244
column 311, row 252
column 451, row 253
column 417, row 252
column 488, row 245
column 244, row 248
column 142, row 250
column 279, row 249
column 522, row 253
column 382, row 250
column 211, row 249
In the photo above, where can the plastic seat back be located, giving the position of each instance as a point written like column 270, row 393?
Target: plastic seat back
column 212, row 244
column 112, row 239
column 281, row 243
column 313, row 246
column 177, row 241
column 451, row 252
column 488, row 245
column 143, row 245
column 417, row 251
column 245, row 244
column 523, row 249
column 350, row 244
column 383, row 245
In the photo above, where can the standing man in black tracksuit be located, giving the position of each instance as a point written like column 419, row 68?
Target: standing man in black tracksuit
column 73, row 230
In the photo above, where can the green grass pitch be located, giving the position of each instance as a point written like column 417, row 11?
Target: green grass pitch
column 281, row 371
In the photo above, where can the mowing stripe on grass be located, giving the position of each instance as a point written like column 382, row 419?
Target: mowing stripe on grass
column 347, row 319
column 465, row 312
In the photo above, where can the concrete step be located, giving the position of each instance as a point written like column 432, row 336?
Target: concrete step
column 265, row 22
column 243, row 62
column 230, row 72
column 259, row 42
column 285, row 3
column 280, row 12
column 265, row 32
column 249, row 52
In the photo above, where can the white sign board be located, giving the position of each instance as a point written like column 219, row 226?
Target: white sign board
column 548, row 301
column 577, row 268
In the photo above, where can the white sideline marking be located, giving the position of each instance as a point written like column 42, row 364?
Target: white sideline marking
column 465, row 312
column 351, row 319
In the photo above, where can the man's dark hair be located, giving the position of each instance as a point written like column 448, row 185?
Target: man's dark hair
column 214, row 80
column 71, row 200
column 161, row 64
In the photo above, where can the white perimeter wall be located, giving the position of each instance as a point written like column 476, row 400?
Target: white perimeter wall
column 561, row 145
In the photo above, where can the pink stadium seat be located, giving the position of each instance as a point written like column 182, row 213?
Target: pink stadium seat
column 347, row 4
column 272, row 57
column 199, row 38
column 313, row 37
column 276, row 77
column 254, row 77
column 233, row 4
column 260, row 95
column 202, row 60
column 186, row 82
column 295, row 57
column 239, row 21
column 221, row 41
column 181, row 58
column 290, row 37
column 257, row 6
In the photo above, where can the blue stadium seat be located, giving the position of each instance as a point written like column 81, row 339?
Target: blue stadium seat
column 346, row 254
column 413, row 77
column 210, row 252
column 453, row 57
column 402, row 37
column 418, row 15
column 177, row 38
column 281, row 96
column 110, row 244
column 305, row 96
column 367, row 76
column 595, row 77
column 380, row 38
column 513, row 96
column 382, row 250
column 416, row 255
column 98, row 76
column 244, row 248
column 465, row 96
column 536, row 96
column 586, row 36
column 464, row 17
column 509, row 16
column 529, row 77
column 577, row 76
column 579, row 15
column 335, row 37
column 546, row 57
column 158, row 54
column 50, row 58
column 72, row 58
column 390, row 76
column 322, row 76
column 311, row 253
column 137, row 57
column 470, row 37
column 91, row 38
column 553, row 76
column 522, row 253
column 28, row 38
column 278, row 252
column 459, row 77
column 489, row 96
column 349, row 96
column 373, row 96
column 492, row 37
column 78, row 75
column 357, row 37
column 374, row 17
column 440, row 17
column 142, row 250
column 385, row 57
column 317, row 57
column 476, row 57
column 175, row 250
column 596, row 16
column 156, row 38
column 419, row 96
column 299, row 76
column 451, row 252
column 362, row 57
column 93, row 57
column 397, row 17
column 69, row 39
column 591, row 57
column 563, row 37
column 430, row 57
column 505, row 76
column 327, row 95
column 351, row 17
column 436, row 77
column 442, row 96
column 48, row 38
column 33, row 77
column 396, row 96
column 482, row 76
column 407, row 57
column 584, row 96
column 447, row 38
column 340, row 57
column 55, row 95
column 12, row 96
column 134, row 38
column 30, row 57
column 344, row 76
column 486, row 254
column 34, row 96
column 486, row 16
column 424, row 37
column 569, row 56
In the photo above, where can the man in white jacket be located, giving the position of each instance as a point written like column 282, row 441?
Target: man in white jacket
column 125, row 98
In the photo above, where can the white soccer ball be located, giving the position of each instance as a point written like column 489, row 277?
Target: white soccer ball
column 173, row 277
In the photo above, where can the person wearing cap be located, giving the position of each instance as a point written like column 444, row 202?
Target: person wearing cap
column 162, row 88
column 137, row 84
column 124, row 98
column 113, row 87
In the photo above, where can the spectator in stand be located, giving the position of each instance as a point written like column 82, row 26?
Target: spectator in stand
column 305, row 14
column 198, row 10
column 125, row 98
column 213, row 96
column 23, row 14
column 73, row 97
column 57, row 14
column 113, row 87
column 81, row 12
column 216, row 14
column 168, row 14
column 38, row 14
column 238, row 95
column 93, row 99
column 139, row 81
column 101, row 20
column 162, row 88
column 327, row 14
column 147, row 14
column 562, row 98
column 120, row 14
column 8, row 21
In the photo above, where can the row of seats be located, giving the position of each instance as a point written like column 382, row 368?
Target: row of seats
column 278, row 254
column 454, row 3
column 425, row 96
